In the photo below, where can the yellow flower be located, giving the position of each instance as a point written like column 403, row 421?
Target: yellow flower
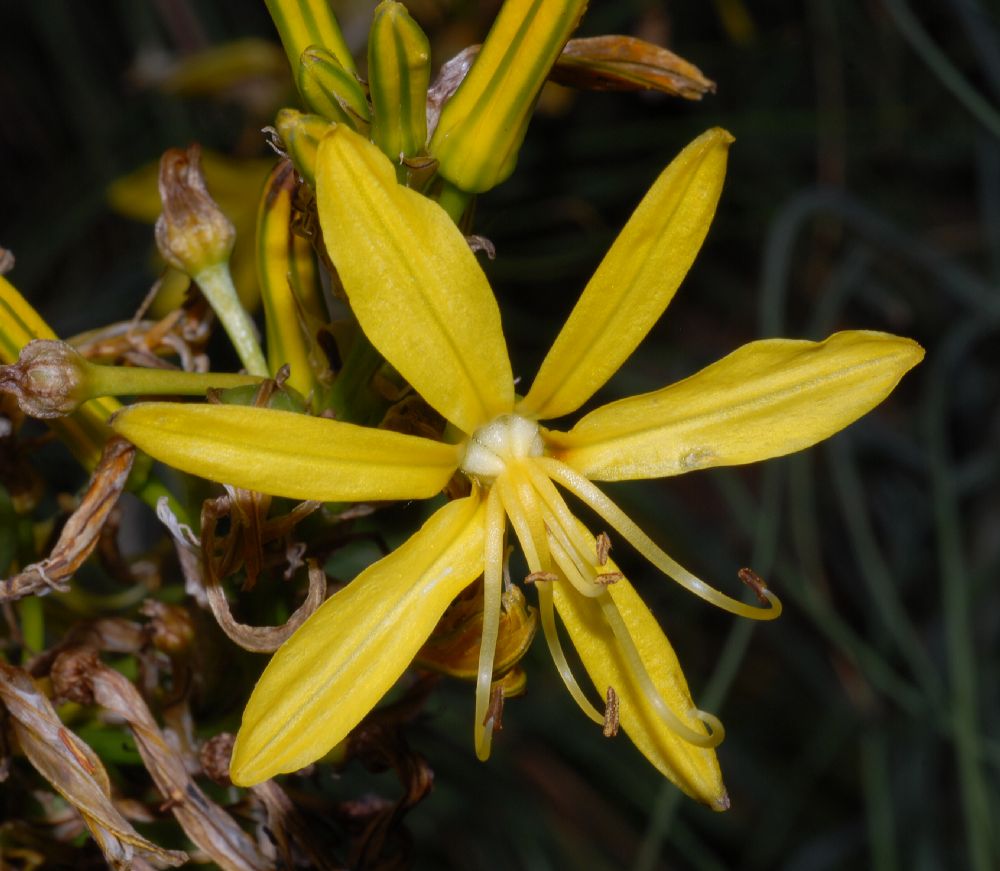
column 422, row 299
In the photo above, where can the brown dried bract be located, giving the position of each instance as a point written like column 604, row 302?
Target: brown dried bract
column 74, row 770
column 80, row 535
column 625, row 63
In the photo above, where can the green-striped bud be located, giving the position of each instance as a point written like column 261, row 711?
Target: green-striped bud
column 301, row 134
column 399, row 71
column 302, row 23
column 483, row 124
column 331, row 91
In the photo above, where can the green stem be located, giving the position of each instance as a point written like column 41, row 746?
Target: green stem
column 454, row 200
column 350, row 397
column 216, row 283
column 137, row 381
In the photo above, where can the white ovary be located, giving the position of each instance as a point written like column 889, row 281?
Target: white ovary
column 504, row 439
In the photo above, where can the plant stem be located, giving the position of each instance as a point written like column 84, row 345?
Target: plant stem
column 216, row 284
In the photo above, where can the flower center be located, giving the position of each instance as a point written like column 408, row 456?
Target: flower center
column 505, row 438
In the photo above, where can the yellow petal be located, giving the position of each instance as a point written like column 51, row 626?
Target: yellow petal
column 413, row 283
column 287, row 454
column 693, row 769
column 764, row 400
column 343, row 659
column 636, row 280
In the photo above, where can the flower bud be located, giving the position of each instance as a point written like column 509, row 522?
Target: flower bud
column 49, row 379
column 331, row 91
column 482, row 126
column 302, row 23
column 399, row 71
column 301, row 134
column 192, row 233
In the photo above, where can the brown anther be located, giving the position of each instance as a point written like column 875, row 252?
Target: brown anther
column 606, row 579
column 67, row 741
column 755, row 582
column 603, row 546
column 214, row 757
column 611, row 710
column 494, row 711
column 535, row 577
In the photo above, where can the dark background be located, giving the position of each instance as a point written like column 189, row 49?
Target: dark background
column 863, row 192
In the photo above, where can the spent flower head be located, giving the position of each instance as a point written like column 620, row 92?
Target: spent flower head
column 424, row 302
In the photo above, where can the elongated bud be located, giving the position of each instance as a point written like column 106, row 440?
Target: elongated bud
column 192, row 233
column 331, row 91
column 301, row 134
column 302, row 23
column 399, row 71
column 482, row 126
column 49, row 379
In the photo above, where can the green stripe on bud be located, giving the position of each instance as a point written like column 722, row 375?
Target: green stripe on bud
column 399, row 71
column 301, row 134
column 331, row 91
column 302, row 23
column 482, row 126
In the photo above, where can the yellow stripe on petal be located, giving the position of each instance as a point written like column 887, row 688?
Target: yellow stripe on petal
column 344, row 658
column 693, row 769
column 764, row 400
column 287, row 454
column 413, row 283
column 636, row 280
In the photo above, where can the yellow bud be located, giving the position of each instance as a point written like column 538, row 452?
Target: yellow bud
column 482, row 126
column 192, row 233
column 399, row 71
column 331, row 91
column 301, row 134
column 302, row 23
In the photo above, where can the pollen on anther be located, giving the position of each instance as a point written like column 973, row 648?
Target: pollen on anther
column 603, row 547
column 608, row 578
column 535, row 577
column 755, row 582
column 611, row 711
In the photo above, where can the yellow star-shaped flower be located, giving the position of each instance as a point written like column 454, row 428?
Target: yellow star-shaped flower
column 423, row 300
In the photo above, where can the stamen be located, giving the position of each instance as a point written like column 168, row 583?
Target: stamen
column 611, row 709
column 547, row 613
column 605, row 579
column 494, row 713
column 637, row 670
column 535, row 577
column 566, row 529
column 496, row 524
column 602, row 545
column 508, row 584
column 755, row 582
column 571, row 569
column 584, row 490
column 522, row 509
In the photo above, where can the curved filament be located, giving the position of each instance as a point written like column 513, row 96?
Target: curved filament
column 492, row 586
column 638, row 672
column 564, row 528
column 584, row 490
column 547, row 613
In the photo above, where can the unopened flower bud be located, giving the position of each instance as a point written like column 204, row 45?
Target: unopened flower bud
column 49, row 379
column 192, row 233
column 331, row 91
column 482, row 126
column 399, row 71
column 301, row 134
